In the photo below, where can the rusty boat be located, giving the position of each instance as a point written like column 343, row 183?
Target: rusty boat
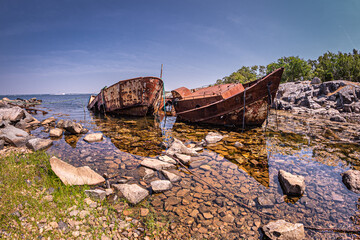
column 133, row 97
column 228, row 104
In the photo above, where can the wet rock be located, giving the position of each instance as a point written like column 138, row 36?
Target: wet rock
column 293, row 185
column 156, row 164
column 265, row 202
column 172, row 177
column 161, row 185
column 71, row 175
column 14, row 136
column 238, row 145
column 228, row 218
column 351, row 179
column 167, row 159
column 48, row 121
column 132, row 192
column 56, row 132
column 282, row 230
column 96, row 195
column 147, row 173
column 178, row 147
column 94, row 137
column 73, row 127
column 213, row 137
column 37, row 144
column 61, row 123
column 185, row 159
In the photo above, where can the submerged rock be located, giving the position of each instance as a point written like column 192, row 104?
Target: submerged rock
column 71, row 175
column 156, row 164
column 132, row 192
column 351, row 179
column 56, row 132
column 94, row 137
column 213, row 137
column 293, row 185
column 178, row 147
column 172, row 177
column 37, row 144
column 282, row 230
column 161, row 185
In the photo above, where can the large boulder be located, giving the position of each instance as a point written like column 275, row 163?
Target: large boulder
column 12, row 114
column 178, row 147
column 37, row 144
column 94, row 137
column 161, row 185
column 156, row 164
column 351, row 179
column 282, row 230
column 14, row 136
column 73, row 127
column 132, row 192
column 71, row 175
column 292, row 185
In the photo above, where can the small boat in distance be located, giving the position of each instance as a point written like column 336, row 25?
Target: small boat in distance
column 226, row 104
column 133, row 97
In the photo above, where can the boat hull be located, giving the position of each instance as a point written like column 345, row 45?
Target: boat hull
column 230, row 110
column 133, row 97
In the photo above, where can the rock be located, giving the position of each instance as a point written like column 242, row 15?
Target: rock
column 144, row 212
column 71, row 175
column 2, row 143
column 37, row 144
column 48, row 121
column 178, row 147
column 213, row 137
column 337, row 118
column 96, row 195
column 156, row 164
column 292, row 184
column 148, row 173
column 13, row 135
column 167, row 159
column 94, row 137
column 351, row 179
column 12, row 114
column 265, row 202
column 172, row 177
column 282, row 230
column 56, row 132
column 238, row 145
column 185, row 159
column 228, row 218
column 73, row 127
column 132, row 192
column 316, row 80
column 161, row 185
column 61, row 123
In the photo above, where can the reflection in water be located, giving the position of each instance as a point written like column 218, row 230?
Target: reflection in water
column 72, row 139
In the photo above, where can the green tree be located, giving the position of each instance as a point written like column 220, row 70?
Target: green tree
column 295, row 68
column 243, row 75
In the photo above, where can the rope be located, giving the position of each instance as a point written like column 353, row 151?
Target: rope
column 339, row 230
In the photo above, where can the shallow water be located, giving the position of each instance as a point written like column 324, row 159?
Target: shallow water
column 247, row 173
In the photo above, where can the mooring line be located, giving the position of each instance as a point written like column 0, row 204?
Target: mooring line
column 337, row 230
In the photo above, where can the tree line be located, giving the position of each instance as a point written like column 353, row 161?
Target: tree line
column 329, row 66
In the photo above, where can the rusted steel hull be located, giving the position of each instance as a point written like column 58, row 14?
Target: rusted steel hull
column 227, row 106
column 134, row 97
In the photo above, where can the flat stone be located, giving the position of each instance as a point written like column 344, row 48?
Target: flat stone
column 228, row 218
column 265, row 202
column 282, row 230
column 337, row 197
column 167, row 159
column 37, row 144
column 56, row 132
column 207, row 215
column 173, row 201
column 178, row 147
column 161, row 185
column 144, row 212
column 293, row 185
column 94, row 137
column 48, row 121
column 96, row 195
column 148, row 173
column 182, row 192
column 71, row 175
column 213, row 137
column 172, row 177
column 132, row 192
column 351, row 179
column 185, row 159
column 156, row 164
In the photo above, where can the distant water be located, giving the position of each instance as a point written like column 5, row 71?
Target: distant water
column 72, row 106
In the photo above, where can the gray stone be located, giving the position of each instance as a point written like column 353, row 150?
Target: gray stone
column 37, row 144
column 213, row 137
column 282, row 230
column 73, row 127
column 96, row 195
column 265, row 202
column 156, row 164
column 167, row 159
column 12, row 114
column 178, row 147
column 316, row 80
column 148, row 173
column 161, row 185
column 185, row 159
column 337, row 118
column 351, row 179
column 292, row 185
column 132, row 192
column 56, row 132
column 93, row 137
column 14, row 136
column 172, row 177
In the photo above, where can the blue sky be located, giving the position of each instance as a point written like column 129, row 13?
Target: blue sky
column 80, row 46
